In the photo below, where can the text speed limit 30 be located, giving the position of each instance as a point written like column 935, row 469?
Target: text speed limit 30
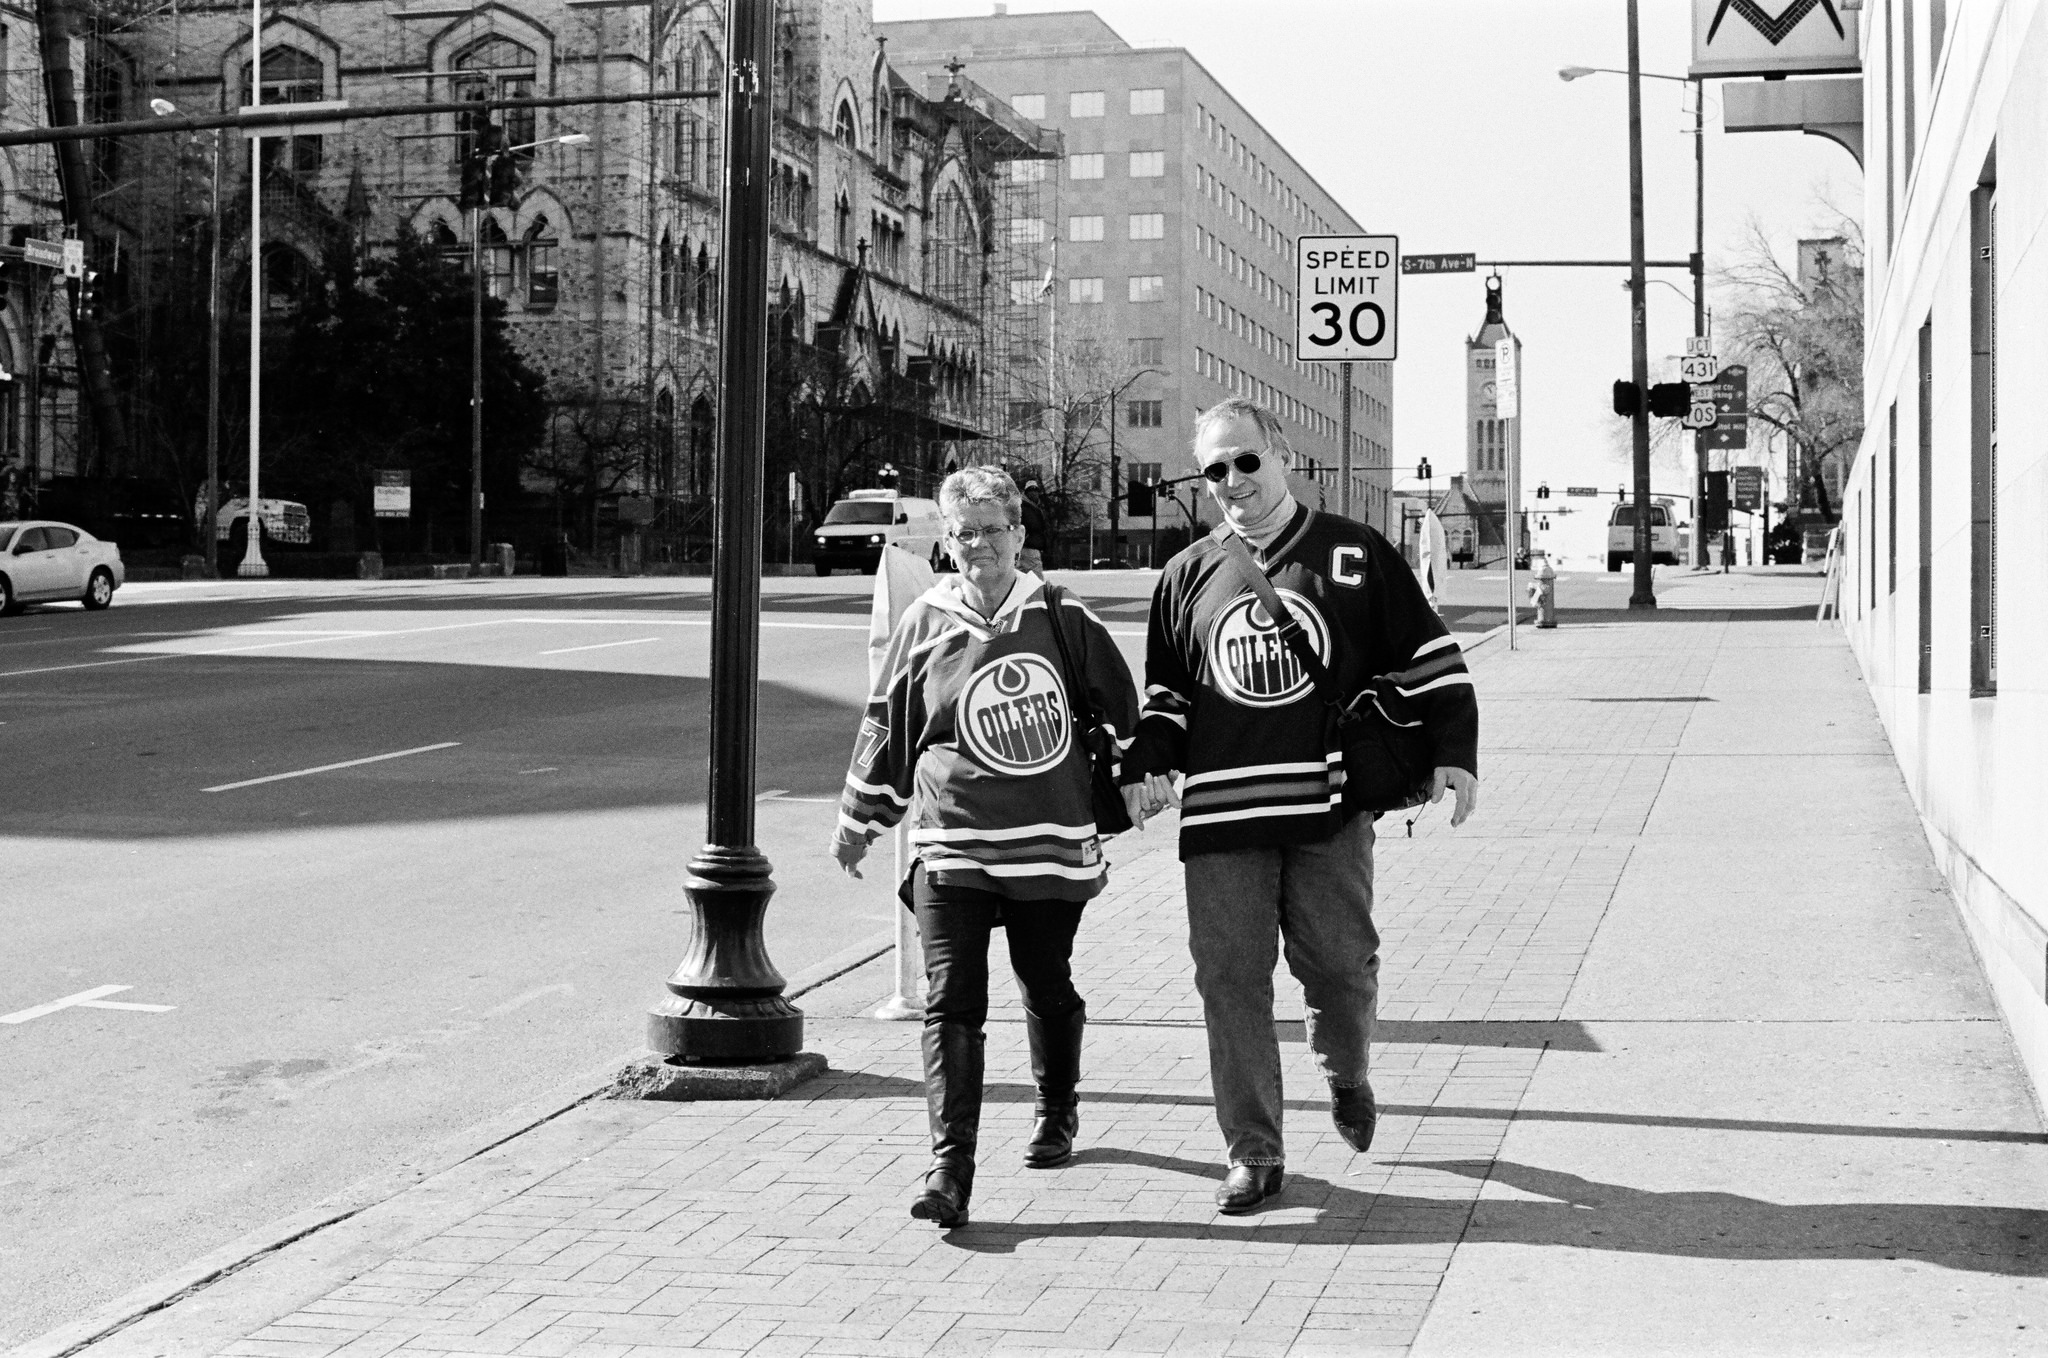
column 1348, row 295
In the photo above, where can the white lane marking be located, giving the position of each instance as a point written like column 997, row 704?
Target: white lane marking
column 328, row 768
column 84, row 665
column 552, row 768
column 602, row 645
column 521, row 1001
column 86, row 999
column 770, row 794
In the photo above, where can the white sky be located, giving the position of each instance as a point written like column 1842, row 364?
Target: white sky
column 1444, row 121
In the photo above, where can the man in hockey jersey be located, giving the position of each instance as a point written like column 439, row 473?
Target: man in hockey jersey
column 976, row 722
column 1270, row 848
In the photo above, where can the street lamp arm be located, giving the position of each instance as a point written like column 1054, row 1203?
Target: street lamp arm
column 1571, row 73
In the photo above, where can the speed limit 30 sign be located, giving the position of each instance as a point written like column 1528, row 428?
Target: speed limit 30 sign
column 1347, row 294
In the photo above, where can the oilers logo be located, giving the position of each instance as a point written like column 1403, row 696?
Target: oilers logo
column 1249, row 659
column 1013, row 715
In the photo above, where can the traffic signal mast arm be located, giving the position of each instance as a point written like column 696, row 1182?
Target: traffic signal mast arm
column 284, row 116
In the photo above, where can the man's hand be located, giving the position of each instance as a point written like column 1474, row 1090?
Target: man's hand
column 849, row 855
column 1465, row 785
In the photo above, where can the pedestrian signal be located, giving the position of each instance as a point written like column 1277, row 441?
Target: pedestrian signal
column 1671, row 400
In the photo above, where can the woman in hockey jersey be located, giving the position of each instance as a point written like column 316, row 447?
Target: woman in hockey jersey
column 976, row 725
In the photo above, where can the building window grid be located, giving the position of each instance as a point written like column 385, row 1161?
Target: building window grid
column 1084, row 228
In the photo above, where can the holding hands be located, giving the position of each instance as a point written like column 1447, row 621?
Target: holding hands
column 1150, row 797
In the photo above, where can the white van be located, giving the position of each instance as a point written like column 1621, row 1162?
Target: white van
column 1621, row 535
column 858, row 527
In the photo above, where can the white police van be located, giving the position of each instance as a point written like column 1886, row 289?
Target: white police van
column 857, row 528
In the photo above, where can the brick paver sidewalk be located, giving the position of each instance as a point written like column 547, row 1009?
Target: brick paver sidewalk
column 780, row 1228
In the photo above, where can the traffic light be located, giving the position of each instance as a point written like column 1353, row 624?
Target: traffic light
column 1627, row 398
column 1138, row 500
column 475, row 186
column 504, row 185
column 1714, row 511
column 1670, row 400
column 1422, row 471
column 1543, row 491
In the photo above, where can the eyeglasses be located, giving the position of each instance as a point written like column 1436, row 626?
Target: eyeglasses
column 1247, row 463
column 971, row 536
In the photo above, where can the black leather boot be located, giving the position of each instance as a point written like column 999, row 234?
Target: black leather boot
column 1056, row 1067
column 952, row 1092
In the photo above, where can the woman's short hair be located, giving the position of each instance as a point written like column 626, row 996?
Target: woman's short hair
column 1240, row 407
column 981, row 485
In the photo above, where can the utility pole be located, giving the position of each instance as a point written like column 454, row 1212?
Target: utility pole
column 1699, row 301
column 1344, row 442
column 725, row 1001
column 1643, row 596
column 212, row 521
column 476, row 379
column 252, row 557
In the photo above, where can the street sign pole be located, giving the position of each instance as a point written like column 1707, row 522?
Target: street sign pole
column 726, row 1002
column 1507, row 386
column 1344, row 444
column 252, row 557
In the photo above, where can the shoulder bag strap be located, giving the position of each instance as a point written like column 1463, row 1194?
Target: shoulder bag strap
column 1283, row 618
column 1077, row 686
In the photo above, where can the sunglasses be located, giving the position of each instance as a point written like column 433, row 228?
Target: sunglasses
column 1247, row 463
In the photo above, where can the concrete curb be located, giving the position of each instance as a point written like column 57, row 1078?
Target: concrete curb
column 605, row 1081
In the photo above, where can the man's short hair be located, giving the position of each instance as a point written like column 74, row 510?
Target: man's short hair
column 1271, row 431
column 981, row 485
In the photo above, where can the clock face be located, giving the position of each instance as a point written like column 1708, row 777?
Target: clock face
column 1488, row 390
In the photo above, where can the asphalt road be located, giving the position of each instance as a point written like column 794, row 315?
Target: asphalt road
column 328, row 972
column 353, row 964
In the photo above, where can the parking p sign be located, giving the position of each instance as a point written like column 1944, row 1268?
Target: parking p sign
column 1347, row 294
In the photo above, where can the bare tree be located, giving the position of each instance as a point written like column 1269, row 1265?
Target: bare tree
column 1092, row 362
column 1801, row 331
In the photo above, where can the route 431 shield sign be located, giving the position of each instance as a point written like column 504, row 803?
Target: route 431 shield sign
column 1347, row 293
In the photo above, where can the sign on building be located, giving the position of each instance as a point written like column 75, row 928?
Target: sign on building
column 1730, row 392
column 391, row 497
column 1772, row 37
column 1348, row 292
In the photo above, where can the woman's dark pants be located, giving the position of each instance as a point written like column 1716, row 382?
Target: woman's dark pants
column 954, row 924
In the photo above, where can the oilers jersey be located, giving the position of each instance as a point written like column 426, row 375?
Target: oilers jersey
column 1228, row 704
column 972, row 732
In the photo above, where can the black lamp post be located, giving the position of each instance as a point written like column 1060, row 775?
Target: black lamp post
column 725, row 1001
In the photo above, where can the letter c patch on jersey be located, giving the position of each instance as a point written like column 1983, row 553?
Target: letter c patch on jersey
column 1344, row 563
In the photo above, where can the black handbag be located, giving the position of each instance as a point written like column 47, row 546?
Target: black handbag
column 1388, row 758
column 1112, row 817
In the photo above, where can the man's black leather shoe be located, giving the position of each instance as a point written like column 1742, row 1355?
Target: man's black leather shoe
column 1355, row 1113
column 1246, row 1186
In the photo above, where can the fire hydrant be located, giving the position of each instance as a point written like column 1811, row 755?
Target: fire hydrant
column 1543, row 591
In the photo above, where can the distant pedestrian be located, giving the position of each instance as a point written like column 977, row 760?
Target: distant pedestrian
column 1272, row 844
column 976, row 731
column 1032, row 557
column 10, row 490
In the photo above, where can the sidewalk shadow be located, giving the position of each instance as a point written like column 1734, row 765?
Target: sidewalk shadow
column 1579, row 1213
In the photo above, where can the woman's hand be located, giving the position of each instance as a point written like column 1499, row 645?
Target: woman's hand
column 1150, row 797
column 849, row 855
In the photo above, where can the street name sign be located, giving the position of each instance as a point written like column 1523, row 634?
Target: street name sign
column 1439, row 263
column 1582, row 492
column 391, row 497
column 1348, row 288
column 48, row 253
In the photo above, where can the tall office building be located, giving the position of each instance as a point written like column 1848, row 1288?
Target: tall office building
column 1176, row 218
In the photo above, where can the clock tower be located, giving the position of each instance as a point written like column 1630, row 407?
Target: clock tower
column 1486, row 441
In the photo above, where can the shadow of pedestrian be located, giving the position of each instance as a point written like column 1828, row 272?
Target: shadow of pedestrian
column 1575, row 1212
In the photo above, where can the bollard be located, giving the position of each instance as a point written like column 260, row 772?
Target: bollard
column 1543, row 591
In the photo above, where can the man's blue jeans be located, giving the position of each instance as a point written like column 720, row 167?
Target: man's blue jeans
column 1318, row 899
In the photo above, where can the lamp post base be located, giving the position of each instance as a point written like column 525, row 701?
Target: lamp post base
column 725, row 1000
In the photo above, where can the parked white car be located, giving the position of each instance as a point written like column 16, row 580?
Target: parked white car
column 42, row 561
